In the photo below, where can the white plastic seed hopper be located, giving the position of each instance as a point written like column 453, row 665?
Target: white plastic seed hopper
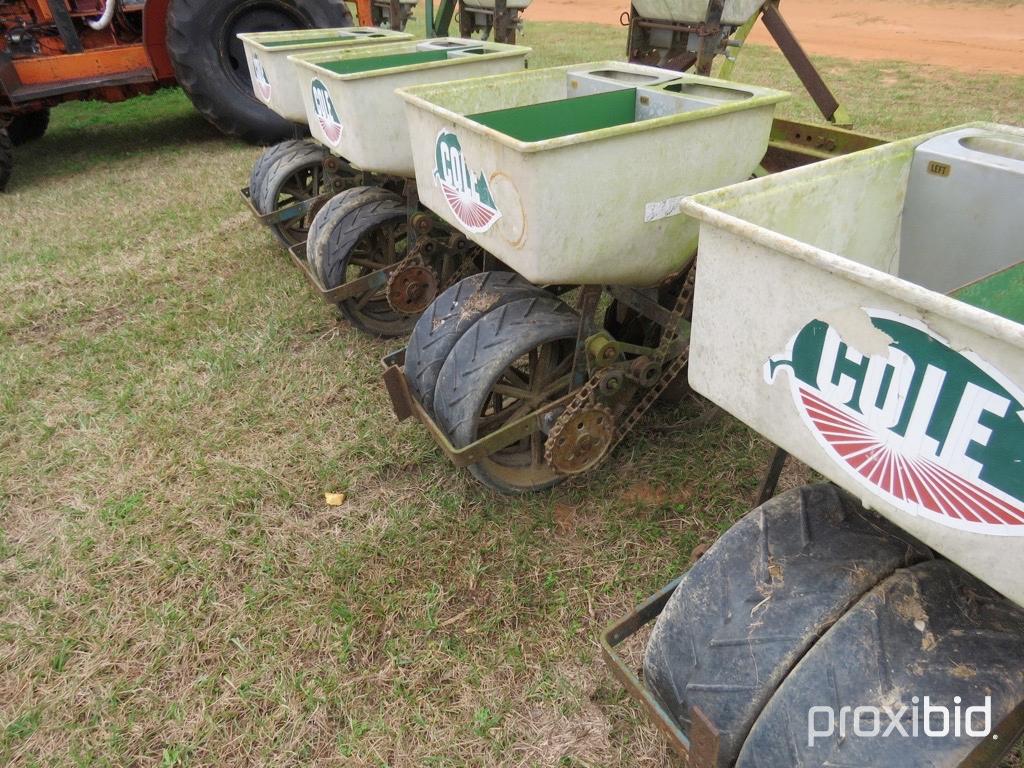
column 734, row 12
column 575, row 174
column 274, row 81
column 866, row 314
column 350, row 99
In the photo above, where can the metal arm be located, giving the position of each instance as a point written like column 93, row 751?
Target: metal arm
column 802, row 65
column 695, row 44
column 442, row 20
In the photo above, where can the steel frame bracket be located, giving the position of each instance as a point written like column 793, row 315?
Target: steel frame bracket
column 65, row 26
column 405, row 404
column 438, row 21
column 700, row 749
column 285, row 213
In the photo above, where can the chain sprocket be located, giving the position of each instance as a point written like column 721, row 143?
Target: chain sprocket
column 411, row 287
column 673, row 362
column 414, row 281
column 582, row 443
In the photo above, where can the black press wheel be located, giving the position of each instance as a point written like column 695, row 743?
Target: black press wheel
column 363, row 230
column 513, row 360
column 6, row 159
column 329, row 213
column 28, row 127
column 287, row 173
column 448, row 317
column 209, row 60
column 268, row 157
column 931, row 630
column 752, row 605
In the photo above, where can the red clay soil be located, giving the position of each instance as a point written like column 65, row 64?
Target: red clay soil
column 972, row 37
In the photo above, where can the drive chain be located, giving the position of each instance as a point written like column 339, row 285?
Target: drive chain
column 586, row 395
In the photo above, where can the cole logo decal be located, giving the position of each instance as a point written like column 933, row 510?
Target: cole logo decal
column 326, row 114
column 936, row 432
column 260, row 78
column 467, row 193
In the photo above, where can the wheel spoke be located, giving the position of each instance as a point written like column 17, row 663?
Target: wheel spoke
column 297, row 186
column 515, row 377
column 557, row 373
column 492, row 421
column 511, row 391
column 556, row 387
column 387, row 246
column 532, row 366
column 520, row 409
column 369, row 296
column 536, row 450
column 541, row 371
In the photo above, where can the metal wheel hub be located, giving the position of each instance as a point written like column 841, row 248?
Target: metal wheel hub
column 252, row 17
column 411, row 289
column 580, row 442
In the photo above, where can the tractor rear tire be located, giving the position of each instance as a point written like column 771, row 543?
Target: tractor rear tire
column 528, row 346
column 932, row 631
column 209, row 60
column 6, row 159
column 28, row 127
column 448, row 317
column 288, row 173
column 746, row 612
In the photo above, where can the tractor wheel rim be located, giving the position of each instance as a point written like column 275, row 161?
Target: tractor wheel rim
column 262, row 16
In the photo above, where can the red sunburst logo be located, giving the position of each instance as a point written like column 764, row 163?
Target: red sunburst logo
column 909, row 479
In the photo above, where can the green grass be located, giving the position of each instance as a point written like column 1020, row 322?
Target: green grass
column 173, row 404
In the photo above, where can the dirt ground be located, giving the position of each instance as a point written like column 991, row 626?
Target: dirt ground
column 968, row 36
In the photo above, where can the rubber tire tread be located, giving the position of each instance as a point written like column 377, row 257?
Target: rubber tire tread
column 214, row 94
column 268, row 158
column 933, row 630
column 324, row 240
column 449, row 316
column 28, row 127
column 338, row 233
column 6, row 159
column 344, row 198
column 274, row 174
column 746, row 612
column 481, row 355
column 348, row 228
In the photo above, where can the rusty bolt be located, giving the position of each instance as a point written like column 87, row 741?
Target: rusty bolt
column 422, row 223
column 611, row 382
column 603, row 350
column 645, row 371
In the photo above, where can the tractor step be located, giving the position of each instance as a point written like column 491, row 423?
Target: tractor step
column 25, row 93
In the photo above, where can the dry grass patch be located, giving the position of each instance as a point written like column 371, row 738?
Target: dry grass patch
column 173, row 405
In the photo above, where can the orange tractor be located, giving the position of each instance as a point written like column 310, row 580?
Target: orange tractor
column 60, row 50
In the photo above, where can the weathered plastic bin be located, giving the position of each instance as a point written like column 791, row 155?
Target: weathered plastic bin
column 488, row 5
column 865, row 314
column 273, row 77
column 575, row 174
column 734, row 12
column 350, row 99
